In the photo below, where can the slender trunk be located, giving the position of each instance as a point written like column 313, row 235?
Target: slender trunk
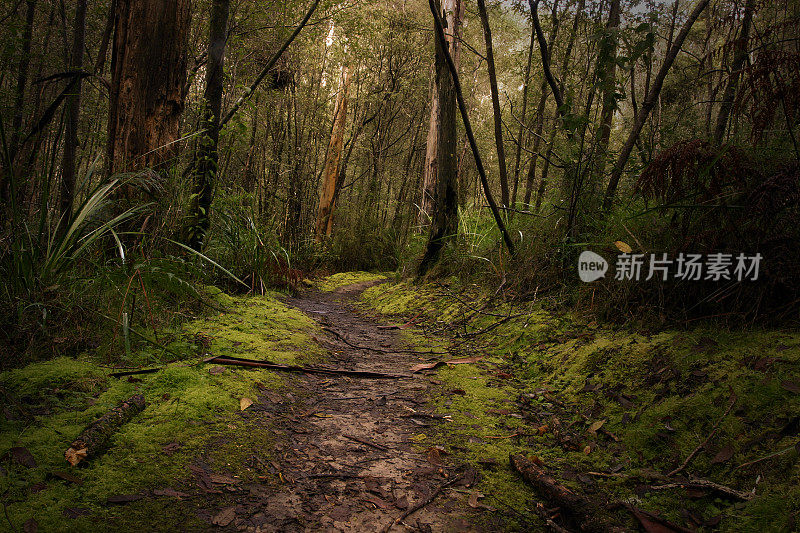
column 607, row 60
column 206, row 155
column 19, row 102
column 498, row 119
column 521, row 134
column 72, row 111
column 739, row 58
column 648, row 104
column 330, row 173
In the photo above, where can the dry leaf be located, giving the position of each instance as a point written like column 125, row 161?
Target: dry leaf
column 623, row 247
column 723, row 455
column 224, row 517
column 596, row 425
column 587, row 449
column 216, row 370
column 23, row 456
column 244, row 403
column 473, row 499
column 30, row 526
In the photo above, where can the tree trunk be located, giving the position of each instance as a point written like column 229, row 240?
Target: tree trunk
column 739, row 58
column 148, row 64
column 453, row 17
column 521, row 135
column 445, row 216
column 648, row 104
column 73, row 104
column 607, row 63
column 330, row 173
column 7, row 174
column 206, row 155
column 498, row 119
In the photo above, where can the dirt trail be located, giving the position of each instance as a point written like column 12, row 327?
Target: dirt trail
column 343, row 444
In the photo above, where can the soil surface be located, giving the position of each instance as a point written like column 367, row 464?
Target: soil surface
column 344, row 448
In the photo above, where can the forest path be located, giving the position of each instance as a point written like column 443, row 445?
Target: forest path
column 344, row 445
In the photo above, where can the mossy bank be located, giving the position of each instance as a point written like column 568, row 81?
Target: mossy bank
column 610, row 411
column 192, row 415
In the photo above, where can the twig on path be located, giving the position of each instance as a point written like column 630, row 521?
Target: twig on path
column 235, row 361
column 795, row 446
column 421, row 504
column 379, row 350
column 710, row 485
column 365, row 442
column 703, row 444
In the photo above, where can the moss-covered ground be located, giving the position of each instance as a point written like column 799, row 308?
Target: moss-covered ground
column 561, row 390
column 190, row 410
column 342, row 279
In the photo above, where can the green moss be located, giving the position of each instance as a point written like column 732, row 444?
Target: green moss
column 186, row 404
column 678, row 384
column 342, row 279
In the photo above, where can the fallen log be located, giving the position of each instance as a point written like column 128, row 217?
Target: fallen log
column 587, row 515
column 96, row 436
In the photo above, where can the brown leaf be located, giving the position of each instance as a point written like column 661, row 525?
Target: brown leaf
column 377, row 502
column 68, row 477
column 473, row 499
column 401, row 502
column 170, row 492
column 244, row 403
column 75, row 512
column 124, row 498
column 216, row 370
column 623, row 247
column 224, row 517
column 437, row 364
column 30, row 526
column 223, row 480
column 435, row 454
column 596, row 426
column 171, row 448
column 723, row 455
column 23, row 456
column 791, row 386
column 655, row 524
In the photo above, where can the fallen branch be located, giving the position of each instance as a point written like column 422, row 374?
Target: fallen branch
column 703, row 444
column 235, row 361
column 378, row 350
column 421, row 504
column 709, row 485
column 94, row 438
column 365, row 442
column 587, row 515
column 795, row 446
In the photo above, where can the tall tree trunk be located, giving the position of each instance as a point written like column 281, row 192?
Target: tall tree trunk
column 333, row 157
column 521, row 134
column 739, row 58
column 648, row 104
column 206, row 155
column 6, row 175
column 498, row 119
column 72, row 111
column 453, row 16
column 148, row 64
column 607, row 63
column 445, row 216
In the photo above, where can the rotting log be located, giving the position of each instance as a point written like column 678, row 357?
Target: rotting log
column 587, row 515
column 94, row 439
